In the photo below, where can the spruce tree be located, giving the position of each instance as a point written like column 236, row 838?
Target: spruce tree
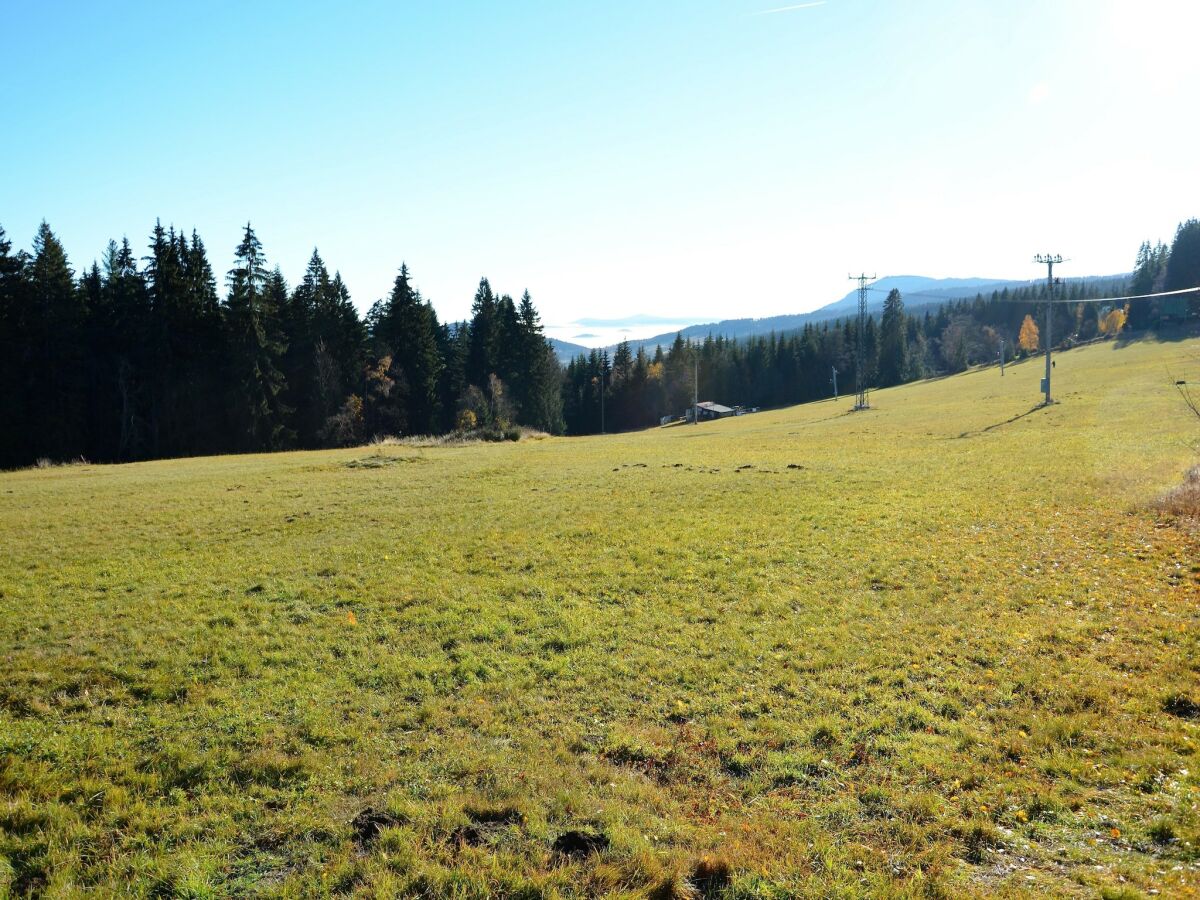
column 482, row 353
column 536, row 374
column 454, row 347
column 297, row 321
column 204, row 376
column 166, row 340
column 256, row 346
column 343, row 332
column 893, row 342
column 123, row 326
column 408, row 327
column 871, row 352
column 1183, row 266
column 277, row 298
column 15, row 346
column 510, row 346
column 57, row 366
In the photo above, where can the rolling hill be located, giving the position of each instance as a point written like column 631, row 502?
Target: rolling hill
column 943, row 647
column 565, row 351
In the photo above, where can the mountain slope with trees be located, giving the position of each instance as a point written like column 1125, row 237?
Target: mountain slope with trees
column 902, row 343
column 143, row 358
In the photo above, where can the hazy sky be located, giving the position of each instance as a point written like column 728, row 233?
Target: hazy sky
column 704, row 159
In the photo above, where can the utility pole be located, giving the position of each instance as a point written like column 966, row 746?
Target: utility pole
column 860, row 349
column 834, row 379
column 695, row 389
column 1002, row 357
column 1049, row 262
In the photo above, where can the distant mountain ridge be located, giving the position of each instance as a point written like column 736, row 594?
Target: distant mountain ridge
column 566, row 351
column 917, row 290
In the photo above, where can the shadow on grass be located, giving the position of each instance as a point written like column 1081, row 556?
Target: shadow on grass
column 1165, row 333
column 993, row 427
column 842, row 415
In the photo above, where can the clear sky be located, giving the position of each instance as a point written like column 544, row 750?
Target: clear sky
column 700, row 160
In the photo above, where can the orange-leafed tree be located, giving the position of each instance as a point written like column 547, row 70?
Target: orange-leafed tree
column 1027, row 340
column 1114, row 320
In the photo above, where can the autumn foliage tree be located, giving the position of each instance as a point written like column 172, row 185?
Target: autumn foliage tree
column 1029, row 336
column 1113, row 321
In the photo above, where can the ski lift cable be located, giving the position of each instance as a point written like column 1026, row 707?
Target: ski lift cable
column 944, row 299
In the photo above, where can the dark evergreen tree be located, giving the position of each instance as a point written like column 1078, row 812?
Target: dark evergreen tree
column 509, row 345
column 1183, row 268
column 167, row 340
column 454, row 347
column 536, row 375
column 1148, row 271
column 57, row 368
column 482, row 351
column 408, row 329
column 298, row 363
column 893, row 342
column 339, row 351
column 16, row 423
column 203, row 420
column 124, row 377
column 256, row 346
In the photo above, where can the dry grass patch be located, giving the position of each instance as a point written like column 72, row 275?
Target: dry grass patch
column 464, row 438
column 1183, row 502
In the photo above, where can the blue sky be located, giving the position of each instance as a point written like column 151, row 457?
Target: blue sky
column 689, row 160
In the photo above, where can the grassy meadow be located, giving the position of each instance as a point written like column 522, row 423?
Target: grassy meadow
column 942, row 647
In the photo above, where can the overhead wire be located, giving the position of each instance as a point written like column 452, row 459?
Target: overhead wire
column 1035, row 301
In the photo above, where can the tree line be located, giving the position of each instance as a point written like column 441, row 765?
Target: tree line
column 146, row 357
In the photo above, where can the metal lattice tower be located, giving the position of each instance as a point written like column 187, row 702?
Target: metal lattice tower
column 1049, row 261
column 860, row 344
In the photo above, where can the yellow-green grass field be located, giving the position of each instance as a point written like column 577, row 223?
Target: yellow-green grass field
column 942, row 647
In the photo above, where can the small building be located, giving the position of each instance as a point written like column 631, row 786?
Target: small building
column 708, row 410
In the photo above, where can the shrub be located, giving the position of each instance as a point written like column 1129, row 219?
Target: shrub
column 466, row 420
column 497, row 434
column 1183, row 502
column 345, row 427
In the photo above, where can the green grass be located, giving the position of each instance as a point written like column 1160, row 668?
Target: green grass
column 940, row 647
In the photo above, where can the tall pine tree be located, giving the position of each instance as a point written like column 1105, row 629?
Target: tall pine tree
column 1183, row 266
column 15, row 349
column 408, row 328
column 893, row 341
column 482, row 350
column 256, row 346
column 56, row 338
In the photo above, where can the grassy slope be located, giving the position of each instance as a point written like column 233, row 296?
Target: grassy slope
column 936, row 656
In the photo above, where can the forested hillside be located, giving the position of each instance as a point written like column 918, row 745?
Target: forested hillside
column 142, row 357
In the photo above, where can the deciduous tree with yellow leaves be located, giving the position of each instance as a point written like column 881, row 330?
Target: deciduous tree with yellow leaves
column 1028, row 339
column 1114, row 320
